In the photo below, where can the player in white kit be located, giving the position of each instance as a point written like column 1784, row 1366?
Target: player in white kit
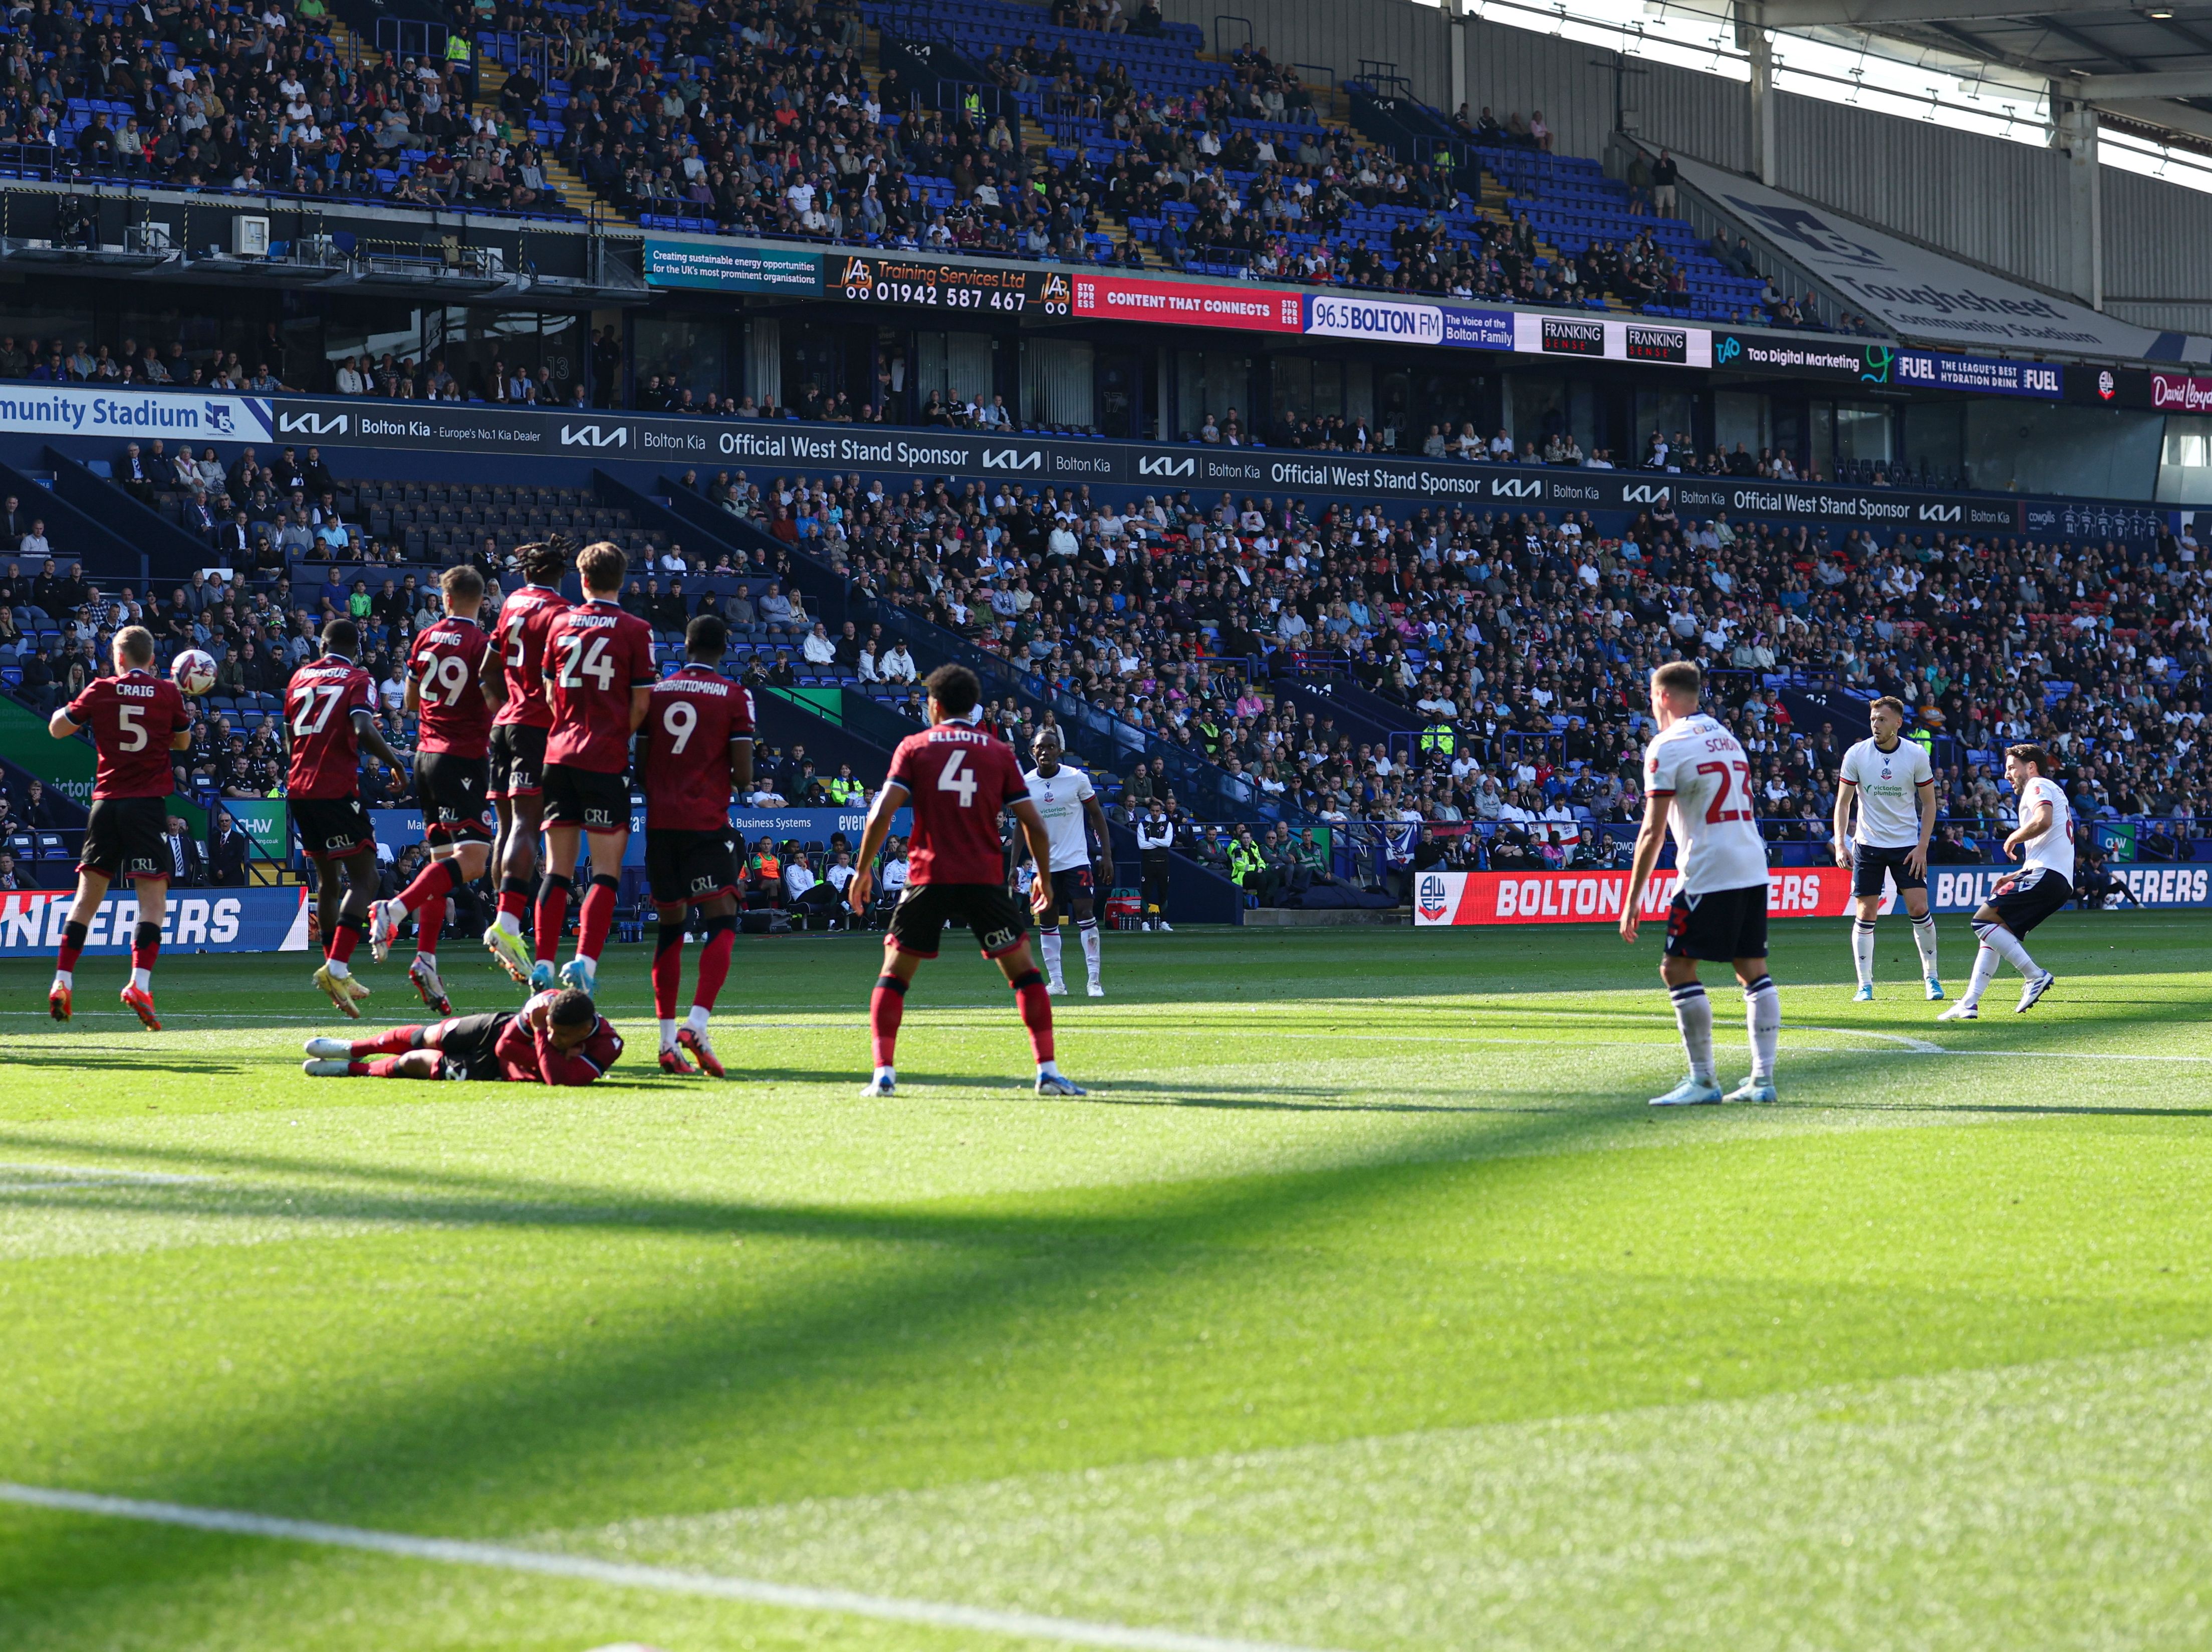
column 1698, row 782
column 2045, row 883
column 1890, row 780
column 1072, row 812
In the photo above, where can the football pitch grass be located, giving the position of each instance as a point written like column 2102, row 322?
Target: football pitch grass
column 1364, row 1305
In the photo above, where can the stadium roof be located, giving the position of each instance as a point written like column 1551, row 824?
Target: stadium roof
column 2151, row 65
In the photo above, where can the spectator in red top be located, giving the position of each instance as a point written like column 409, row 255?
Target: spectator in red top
column 959, row 780
column 556, row 1038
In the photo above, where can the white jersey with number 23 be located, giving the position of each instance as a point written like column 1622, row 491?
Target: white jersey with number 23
column 1717, row 841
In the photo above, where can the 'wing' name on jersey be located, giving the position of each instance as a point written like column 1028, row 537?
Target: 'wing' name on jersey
column 1717, row 845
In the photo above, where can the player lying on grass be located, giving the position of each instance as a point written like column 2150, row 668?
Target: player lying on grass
column 1697, row 782
column 960, row 778
column 137, row 720
column 558, row 1037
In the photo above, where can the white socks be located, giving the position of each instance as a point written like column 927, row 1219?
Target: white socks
column 1049, row 942
column 1924, row 937
column 1693, row 1014
column 667, row 1032
column 1089, row 935
column 143, row 980
column 511, row 922
column 339, row 970
column 1762, row 1016
column 1985, row 971
column 65, row 978
column 2005, row 945
column 1047, row 1070
column 1863, row 949
column 698, row 1019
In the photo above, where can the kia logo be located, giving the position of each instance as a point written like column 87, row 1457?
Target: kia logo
column 1167, row 467
column 1013, row 459
column 1939, row 513
column 590, row 435
column 311, row 424
column 1517, row 488
column 1643, row 492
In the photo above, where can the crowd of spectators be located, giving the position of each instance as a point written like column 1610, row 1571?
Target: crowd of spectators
column 195, row 95
column 1517, row 646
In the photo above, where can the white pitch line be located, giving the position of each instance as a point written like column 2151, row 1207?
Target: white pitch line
column 453, row 1551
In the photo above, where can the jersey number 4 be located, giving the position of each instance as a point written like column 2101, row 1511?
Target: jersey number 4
column 1733, row 776
column 957, row 780
column 579, row 662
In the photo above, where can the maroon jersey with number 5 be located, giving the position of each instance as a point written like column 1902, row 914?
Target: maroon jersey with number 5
column 132, row 718
column 595, row 655
column 696, row 715
column 524, row 620
column 447, row 666
column 958, row 780
column 319, row 702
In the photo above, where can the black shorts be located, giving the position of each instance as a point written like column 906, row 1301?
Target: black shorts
column 686, row 865
column 997, row 919
column 1719, row 925
column 586, row 797
column 518, row 761
column 331, row 828
column 123, row 838
column 2038, row 895
column 467, row 1043
column 452, row 791
column 1067, row 887
column 1870, row 861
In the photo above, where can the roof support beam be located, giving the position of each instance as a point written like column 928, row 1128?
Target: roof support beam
column 2123, row 88
column 1874, row 14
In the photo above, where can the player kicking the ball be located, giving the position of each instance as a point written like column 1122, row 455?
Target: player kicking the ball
column 2043, row 884
column 1071, row 813
column 451, row 694
column 556, row 1038
column 698, row 749
column 137, row 720
column 1890, row 780
column 598, row 682
column 1698, row 782
column 960, row 780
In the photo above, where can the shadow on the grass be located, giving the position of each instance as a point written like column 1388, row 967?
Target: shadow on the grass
column 434, row 1452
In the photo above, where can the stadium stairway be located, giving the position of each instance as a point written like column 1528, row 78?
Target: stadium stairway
column 77, row 536
column 491, row 78
column 1369, row 719
column 171, row 553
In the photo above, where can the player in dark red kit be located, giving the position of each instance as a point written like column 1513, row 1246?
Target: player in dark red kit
column 137, row 720
column 453, row 685
column 698, row 749
column 959, row 780
column 599, row 680
column 328, row 724
column 518, row 744
column 556, row 1038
